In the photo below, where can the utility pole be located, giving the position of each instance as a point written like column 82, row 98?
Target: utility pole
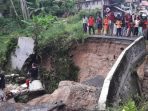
column 131, row 8
column 102, row 8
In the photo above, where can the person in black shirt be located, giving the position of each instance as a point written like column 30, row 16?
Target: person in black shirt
column 2, row 81
column 2, row 86
column 33, row 72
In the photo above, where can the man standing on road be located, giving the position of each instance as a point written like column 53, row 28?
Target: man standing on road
column 85, row 20
column 119, row 26
column 136, row 26
column 106, row 25
column 99, row 24
column 111, row 23
column 91, row 22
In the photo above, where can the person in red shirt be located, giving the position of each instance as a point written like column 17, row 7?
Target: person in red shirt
column 111, row 24
column 130, row 26
column 145, row 24
column 145, row 29
column 27, row 83
column 91, row 22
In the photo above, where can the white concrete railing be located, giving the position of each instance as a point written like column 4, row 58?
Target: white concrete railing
column 105, row 89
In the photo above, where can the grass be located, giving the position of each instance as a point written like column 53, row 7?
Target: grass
column 63, row 29
column 7, row 45
column 130, row 105
column 3, row 47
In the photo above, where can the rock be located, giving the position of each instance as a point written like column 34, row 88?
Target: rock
column 25, row 96
column 12, row 75
column 15, row 78
column 23, row 51
column 58, row 106
column 10, row 87
column 74, row 95
column 42, row 99
column 6, row 106
column 2, row 95
column 21, row 80
column 96, row 81
column 22, row 94
column 35, row 85
column 15, row 88
column 11, row 100
column 140, row 71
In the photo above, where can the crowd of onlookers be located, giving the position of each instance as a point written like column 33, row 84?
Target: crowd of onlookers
column 119, row 25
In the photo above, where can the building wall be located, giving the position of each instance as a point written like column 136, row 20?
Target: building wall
column 132, row 0
column 92, row 4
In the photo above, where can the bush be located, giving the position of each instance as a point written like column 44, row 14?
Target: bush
column 8, row 25
column 63, row 67
column 89, row 12
column 7, row 44
column 130, row 106
column 38, row 24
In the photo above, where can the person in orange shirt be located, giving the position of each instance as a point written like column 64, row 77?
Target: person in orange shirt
column 119, row 26
column 106, row 25
column 91, row 22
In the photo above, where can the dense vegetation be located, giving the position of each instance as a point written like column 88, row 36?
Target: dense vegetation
column 24, row 9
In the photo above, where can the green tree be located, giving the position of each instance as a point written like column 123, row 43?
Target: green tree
column 53, row 7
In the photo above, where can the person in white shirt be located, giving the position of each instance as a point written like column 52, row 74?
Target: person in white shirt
column 85, row 20
column 136, row 25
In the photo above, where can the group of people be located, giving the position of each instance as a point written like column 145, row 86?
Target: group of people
column 123, row 24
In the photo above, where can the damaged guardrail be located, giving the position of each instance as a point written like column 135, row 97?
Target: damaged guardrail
column 117, row 83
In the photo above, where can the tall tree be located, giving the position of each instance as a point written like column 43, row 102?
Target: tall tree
column 14, row 8
column 24, row 9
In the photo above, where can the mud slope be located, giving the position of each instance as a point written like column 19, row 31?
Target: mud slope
column 96, row 58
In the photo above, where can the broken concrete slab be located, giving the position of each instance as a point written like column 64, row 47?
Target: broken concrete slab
column 24, row 49
column 35, row 85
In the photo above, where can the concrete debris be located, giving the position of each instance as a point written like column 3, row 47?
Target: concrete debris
column 21, row 92
column 35, row 85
